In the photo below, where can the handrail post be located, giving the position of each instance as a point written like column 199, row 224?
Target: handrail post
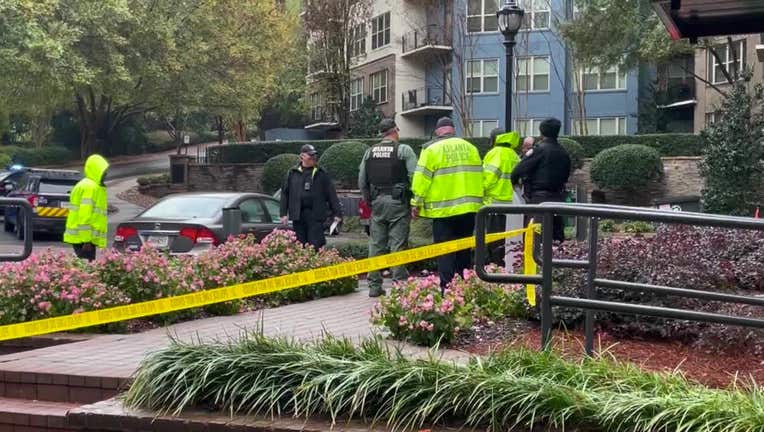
column 591, row 275
column 547, row 232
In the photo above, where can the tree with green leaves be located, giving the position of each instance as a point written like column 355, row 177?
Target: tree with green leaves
column 117, row 59
column 733, row 155
column 364, row 122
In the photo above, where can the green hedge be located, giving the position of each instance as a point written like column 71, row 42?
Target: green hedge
column 342, row 161
column 32, row 157
column 276, row 169
column 626, row 167
column 260, row 152
column 666, row 144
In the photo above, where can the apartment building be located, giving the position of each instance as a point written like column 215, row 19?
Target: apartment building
column 423, row 59
column 745, row 52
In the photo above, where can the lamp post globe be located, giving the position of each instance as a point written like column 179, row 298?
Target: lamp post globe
column 510, row 18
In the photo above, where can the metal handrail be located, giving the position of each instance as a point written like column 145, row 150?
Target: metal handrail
column 594, row 212
column 28, row 221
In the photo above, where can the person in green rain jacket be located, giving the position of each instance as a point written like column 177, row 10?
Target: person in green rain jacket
column 87, row 223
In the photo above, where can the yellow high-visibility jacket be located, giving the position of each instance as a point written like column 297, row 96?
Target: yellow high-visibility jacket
column 448, row 180
column 497, row 169
column 87, row 220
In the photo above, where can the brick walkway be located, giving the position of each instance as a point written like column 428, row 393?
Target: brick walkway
column 118, row 356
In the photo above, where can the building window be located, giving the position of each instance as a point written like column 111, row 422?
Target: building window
column 483, row 76
column 712, row 118
column 483, row 128
column 537, row 14
column 593, row 79
column 380, row 31
column 379, row 86
column 481, row 16
column 601, row 126
column 529, row 127
column 358, row 40
column 533, row 74
column 715, row 73
column 356, row 94
column 315, row 107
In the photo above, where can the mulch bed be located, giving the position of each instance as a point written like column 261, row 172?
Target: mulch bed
column 714, row 369
column 133, row 196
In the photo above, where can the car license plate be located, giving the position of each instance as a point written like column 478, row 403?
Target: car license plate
column 65, row 205
column 158, row 241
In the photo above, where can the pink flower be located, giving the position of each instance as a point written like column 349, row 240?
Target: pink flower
column 44, row 306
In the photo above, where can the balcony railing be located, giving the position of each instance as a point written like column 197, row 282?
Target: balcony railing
column 323, row 116
column 429, row 36
column 425, row 97
column 675, row 91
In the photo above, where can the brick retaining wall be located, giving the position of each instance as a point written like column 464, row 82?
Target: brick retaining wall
column 682, row 179
column 225, row 177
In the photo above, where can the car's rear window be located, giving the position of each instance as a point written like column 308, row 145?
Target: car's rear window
column 185, row 208
column 56, row 186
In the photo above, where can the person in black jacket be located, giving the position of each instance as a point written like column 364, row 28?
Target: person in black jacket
column 545, row 171
column 307, row 197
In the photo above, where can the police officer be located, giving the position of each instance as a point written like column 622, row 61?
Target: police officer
column 307, row 197
column 498, row 165
column 545, row 170
column 448, row 188
column 87, row 222
column 385, row 180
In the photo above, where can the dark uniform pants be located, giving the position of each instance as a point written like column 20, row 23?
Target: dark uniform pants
column 452, row 228
column 308, row 230
column 558, row 225
column 389, row 232
column 81, row 253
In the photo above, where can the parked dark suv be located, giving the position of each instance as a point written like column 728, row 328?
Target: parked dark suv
column 48, row 193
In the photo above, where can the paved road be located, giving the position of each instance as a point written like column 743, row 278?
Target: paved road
column 9, row 244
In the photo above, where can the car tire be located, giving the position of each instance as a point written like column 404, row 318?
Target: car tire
column 7, row 226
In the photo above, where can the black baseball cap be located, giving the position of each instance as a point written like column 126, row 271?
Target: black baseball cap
column 309, row 149
column 386, row 125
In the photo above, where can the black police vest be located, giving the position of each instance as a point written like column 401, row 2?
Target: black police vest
column 384, row 168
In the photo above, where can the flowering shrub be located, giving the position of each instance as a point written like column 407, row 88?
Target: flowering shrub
column 57, row 283
column 51, row 284
column 418, row 312
column 709, row 259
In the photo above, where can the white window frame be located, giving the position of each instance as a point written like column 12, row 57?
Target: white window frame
column 727, row 60
column 482, row 76
column 358, row 40
column 535, row 7
column 531, row 126
column 712, row 117
column 531, row 75
column 356, row 94
column 483, row 14
column 620, row 124
column 621, row 79
column 380, row 29
column 378, row 86
column 482, row 125
column 316, row 105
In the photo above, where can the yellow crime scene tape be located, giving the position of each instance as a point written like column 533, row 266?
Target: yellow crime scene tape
column 258, row 287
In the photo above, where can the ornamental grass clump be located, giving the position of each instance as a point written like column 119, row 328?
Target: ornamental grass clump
column 332, row 378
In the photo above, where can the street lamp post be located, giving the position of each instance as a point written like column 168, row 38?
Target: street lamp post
column 510, row 18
